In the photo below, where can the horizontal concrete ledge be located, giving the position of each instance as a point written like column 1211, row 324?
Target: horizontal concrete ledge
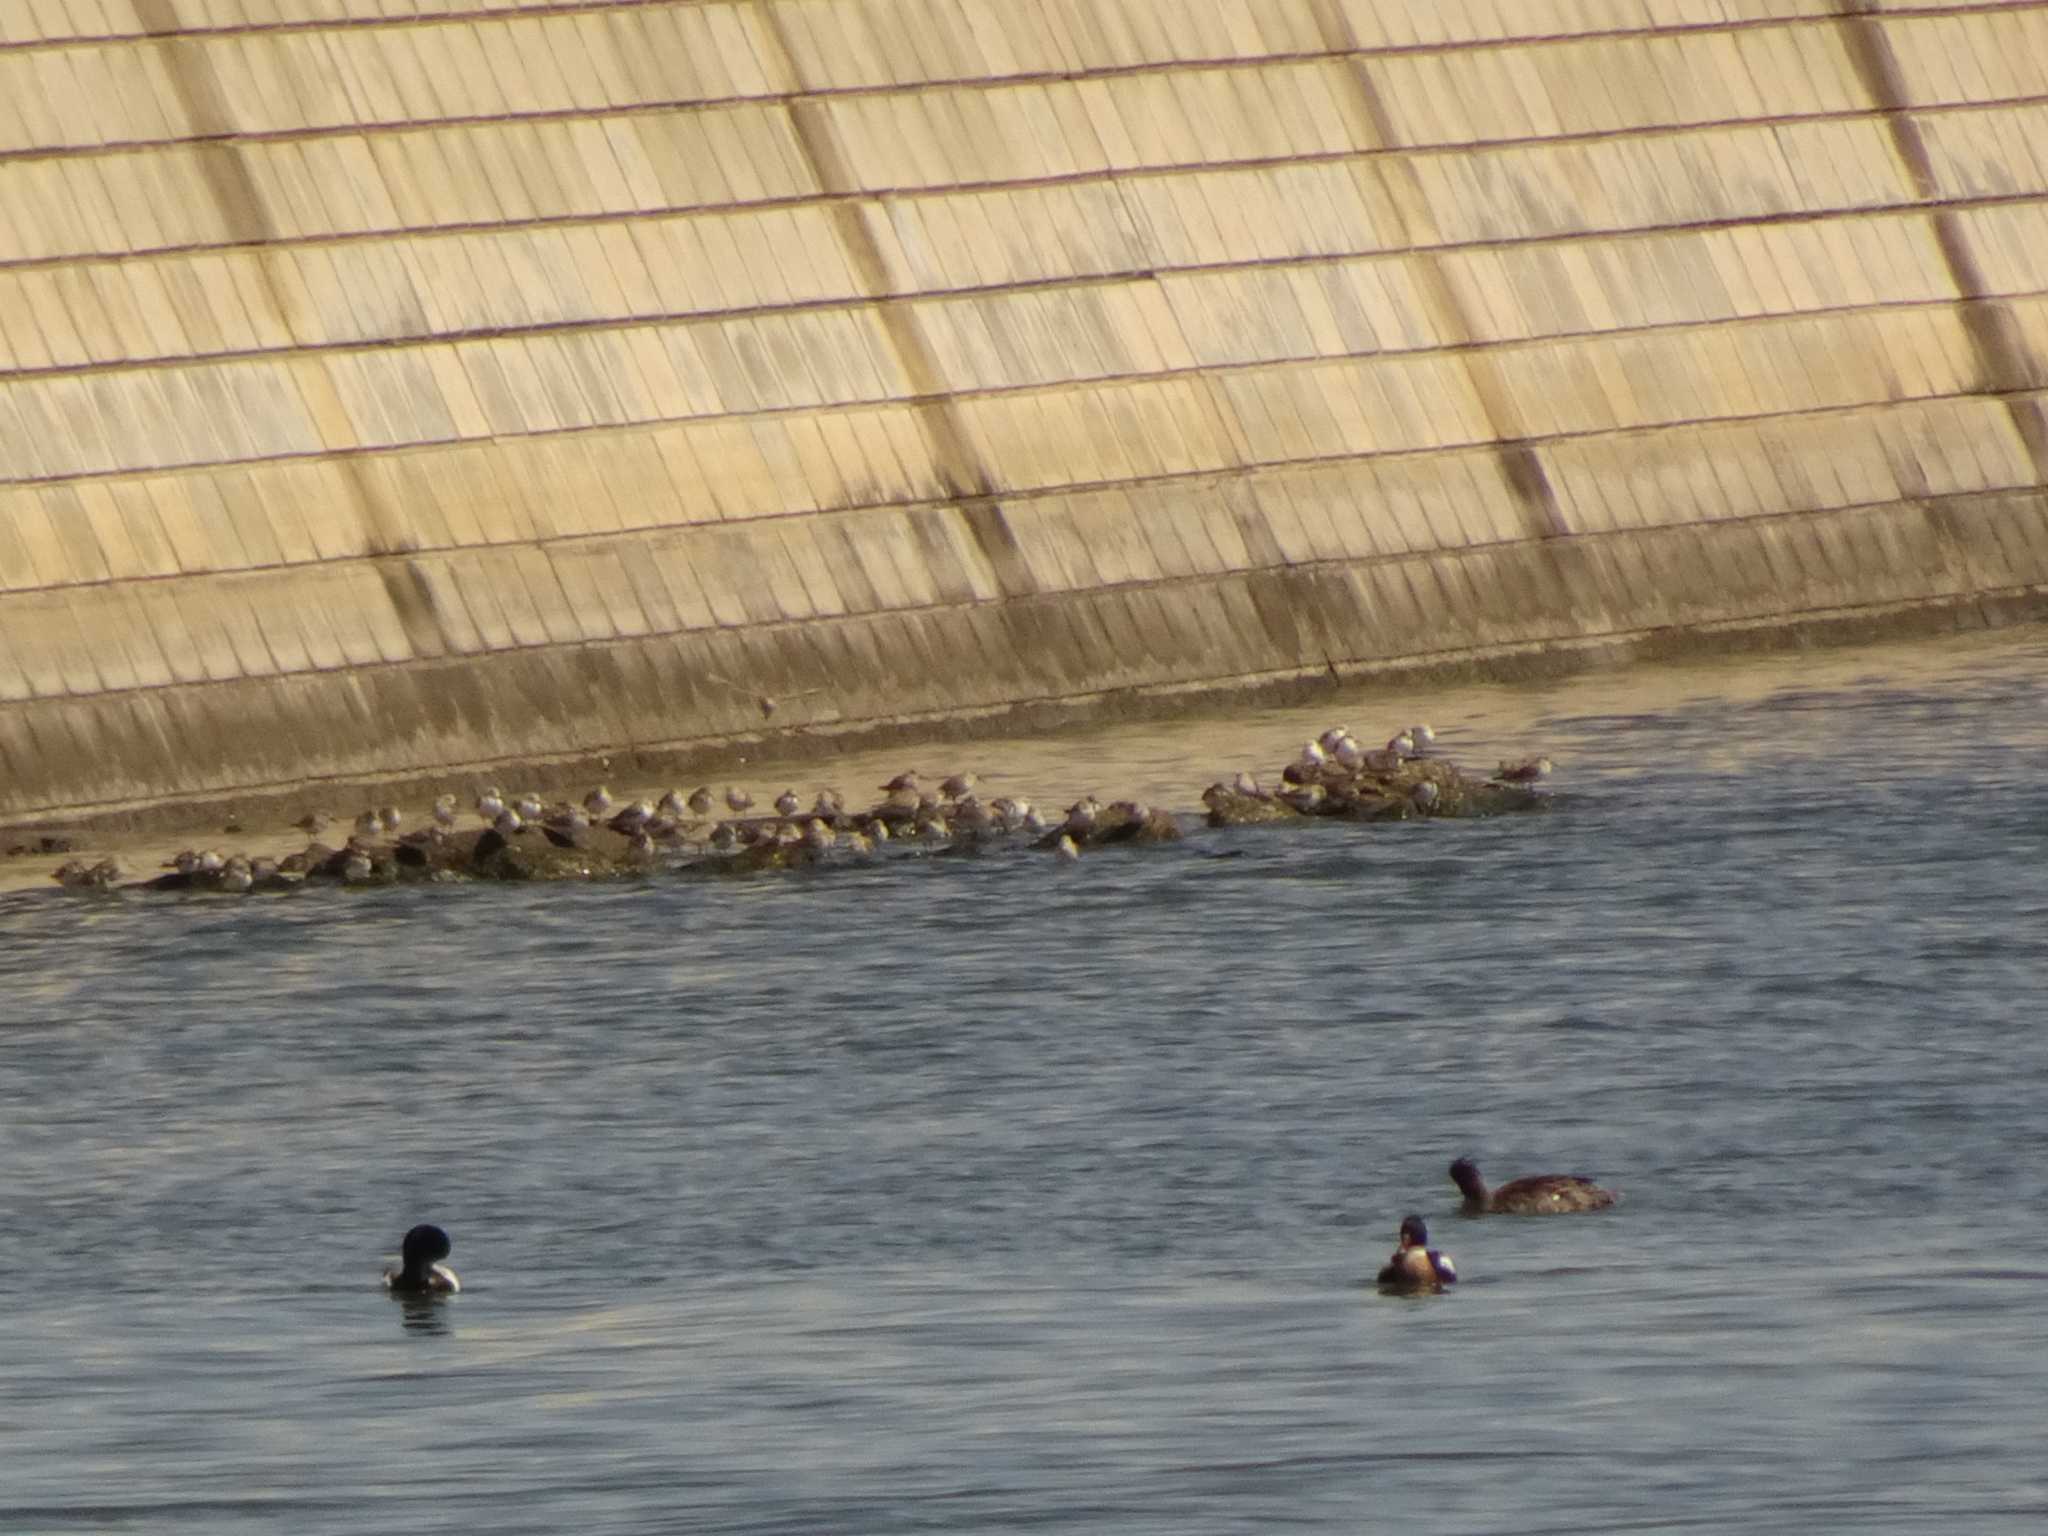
column 721, row 756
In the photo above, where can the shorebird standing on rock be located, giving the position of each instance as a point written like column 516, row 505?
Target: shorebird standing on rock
column 787, row 804
column 672, row 805
column 737, row 800
column 598, row 802
column 1527, row 771
column 633, row 818
column 958, row 785
column 490, row 805
column 700, row 800
column 444, row 811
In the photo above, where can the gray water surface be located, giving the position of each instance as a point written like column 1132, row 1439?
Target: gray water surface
column 987, row 1194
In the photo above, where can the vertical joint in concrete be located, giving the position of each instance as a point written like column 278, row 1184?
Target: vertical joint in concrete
column 958, row 466
column 1520, row 462
column 2005, row 364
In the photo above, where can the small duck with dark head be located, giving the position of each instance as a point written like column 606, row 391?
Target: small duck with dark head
column 1416, row 1266
column 420, row 1271
column 1540, row 1194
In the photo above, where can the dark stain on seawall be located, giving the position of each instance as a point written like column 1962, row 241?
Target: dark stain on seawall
column 2005, row 364
column 1521, row 464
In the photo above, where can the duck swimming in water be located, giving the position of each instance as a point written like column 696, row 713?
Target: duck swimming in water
column 1541, row 1194
column 420, row 1271
column 1415, row 1265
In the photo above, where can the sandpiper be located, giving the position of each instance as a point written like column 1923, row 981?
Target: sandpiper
column 1527, row 771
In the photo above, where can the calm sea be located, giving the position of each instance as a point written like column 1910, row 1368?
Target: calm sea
column 987, row 1194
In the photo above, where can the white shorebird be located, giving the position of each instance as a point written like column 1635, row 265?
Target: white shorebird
column 1312, row 756
column 1425, row 738
column 904, row 783
column 529, row 807
column 786, row 803
column 1401, row 744
column 1425, row 795
column 700, row 800
column 673, row 805
column 1081, row 815
column 444, row 811
column 959, row 784
column 1329, row 739
column 737, row 799
column 491, row 803
column 633, row 818
column 1247, row 784
column 598, row 801
column 506, row 823
column 237, row 876
column 1349, row 754
column 388, row 817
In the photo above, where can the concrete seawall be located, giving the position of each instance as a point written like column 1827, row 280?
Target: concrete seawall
column 381, row 397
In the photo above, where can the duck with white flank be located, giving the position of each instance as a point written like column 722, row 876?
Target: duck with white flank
column 1415, row 1266
column 420, row 1271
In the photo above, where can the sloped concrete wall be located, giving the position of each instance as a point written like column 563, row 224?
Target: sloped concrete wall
column 381, row 394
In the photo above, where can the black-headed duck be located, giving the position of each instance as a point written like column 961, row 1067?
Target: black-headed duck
column 1540, row 1194
column 420, row 1271
column 1415, row 1265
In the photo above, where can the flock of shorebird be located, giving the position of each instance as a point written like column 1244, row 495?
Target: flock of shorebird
column 1329, row 775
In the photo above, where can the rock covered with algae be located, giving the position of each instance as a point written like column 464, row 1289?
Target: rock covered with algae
column 1335, row 776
